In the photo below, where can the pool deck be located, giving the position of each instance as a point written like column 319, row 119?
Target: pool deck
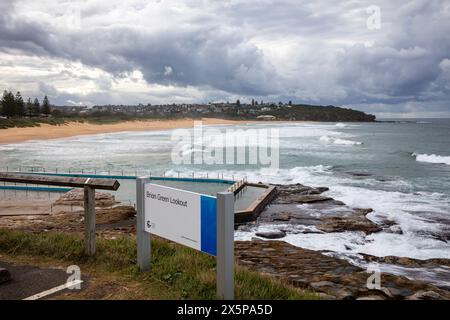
column 248, row 209
column 252, row 212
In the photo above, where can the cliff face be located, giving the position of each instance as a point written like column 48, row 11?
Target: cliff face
column 320, row 113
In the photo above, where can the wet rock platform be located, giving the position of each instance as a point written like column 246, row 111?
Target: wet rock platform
column 329, row 277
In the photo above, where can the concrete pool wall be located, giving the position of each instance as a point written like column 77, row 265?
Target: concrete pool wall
column 250, row 198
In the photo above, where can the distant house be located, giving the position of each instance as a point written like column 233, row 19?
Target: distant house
column 267, row 118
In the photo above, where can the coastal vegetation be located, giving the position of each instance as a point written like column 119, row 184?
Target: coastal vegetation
column 13, row 106
column 29, row 122
column 177, row 272
column 15, row 112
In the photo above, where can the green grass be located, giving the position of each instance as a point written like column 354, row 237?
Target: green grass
column 182, row 272
column 36, row 122
column 29, row 122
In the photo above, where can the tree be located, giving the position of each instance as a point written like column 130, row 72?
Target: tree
column 8, row 104
column 46, row 106
column 29, row 107
column 1, row 104
column 20, row 105
column 36, row 107
column 57, row 113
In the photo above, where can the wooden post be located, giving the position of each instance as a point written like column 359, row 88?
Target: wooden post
column 88, row 184
column 75, row 182
column 89, row 220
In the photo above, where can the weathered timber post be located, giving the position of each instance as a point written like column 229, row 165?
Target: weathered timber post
column 89, row 220
column 88, row 184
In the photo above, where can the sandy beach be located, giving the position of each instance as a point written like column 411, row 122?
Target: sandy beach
column 45, row 131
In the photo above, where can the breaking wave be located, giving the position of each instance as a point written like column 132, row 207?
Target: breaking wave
column 329, row 139
column 432, row 158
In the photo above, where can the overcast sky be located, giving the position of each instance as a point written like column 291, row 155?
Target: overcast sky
column 390, row 58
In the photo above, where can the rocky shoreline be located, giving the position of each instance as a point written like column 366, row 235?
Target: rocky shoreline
column 295, row 210
column 330, row 277
column 289, row 208
column 300, row 209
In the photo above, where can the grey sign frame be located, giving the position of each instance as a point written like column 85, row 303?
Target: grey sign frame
column 225, row 239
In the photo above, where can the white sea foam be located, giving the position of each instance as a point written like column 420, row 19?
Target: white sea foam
column 403, row 208
column 305, row 131
column 153, row 149
column 379, row 244
column 432, row 158
column 329, row 139
column 341, row 125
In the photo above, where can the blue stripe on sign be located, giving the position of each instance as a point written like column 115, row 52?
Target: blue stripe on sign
column 208, row 225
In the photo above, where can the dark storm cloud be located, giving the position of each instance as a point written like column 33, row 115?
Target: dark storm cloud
column 320, row 52
column 406, row 64
column 208, row 56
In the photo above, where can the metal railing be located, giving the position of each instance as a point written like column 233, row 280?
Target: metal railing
column 124, row 174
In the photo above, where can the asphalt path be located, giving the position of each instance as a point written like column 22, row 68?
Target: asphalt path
column 27, row 281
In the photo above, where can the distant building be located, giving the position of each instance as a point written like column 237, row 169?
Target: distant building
column 267, row 118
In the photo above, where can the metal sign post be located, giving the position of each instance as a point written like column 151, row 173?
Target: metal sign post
column 225, row 245
column 198, row 221
column 142, row 237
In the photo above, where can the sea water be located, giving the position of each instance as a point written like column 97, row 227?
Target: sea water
column 399, row 169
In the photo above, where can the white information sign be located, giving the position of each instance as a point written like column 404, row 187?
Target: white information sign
column 181, row 216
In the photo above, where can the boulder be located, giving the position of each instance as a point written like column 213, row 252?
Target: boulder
column 343, row 224
column 356, row 220
column 425, row 295
column 271, row 234
column 322, row 189
column 75, row 197
column 301, row 198
column 299, row 189
column 282, row 216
